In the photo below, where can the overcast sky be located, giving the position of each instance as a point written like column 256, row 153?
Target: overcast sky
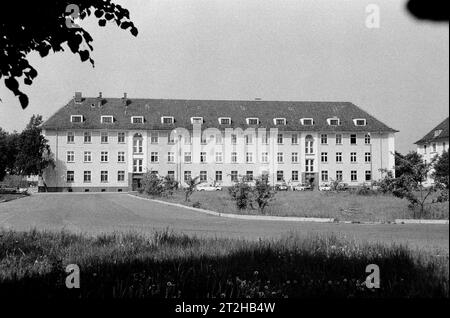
column 276, row 50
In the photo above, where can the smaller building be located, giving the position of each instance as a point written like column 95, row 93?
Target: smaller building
column 434, row 143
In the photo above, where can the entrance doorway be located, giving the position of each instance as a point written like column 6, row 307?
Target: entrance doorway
column 136, row 185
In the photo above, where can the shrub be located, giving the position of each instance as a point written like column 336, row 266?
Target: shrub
column 263, row 192
column 190, row 188
column 241, row 193
column 154, row 185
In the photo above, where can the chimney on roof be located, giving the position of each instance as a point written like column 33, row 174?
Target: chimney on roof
column 125, row 99
column 99, row 99
column 78, row 97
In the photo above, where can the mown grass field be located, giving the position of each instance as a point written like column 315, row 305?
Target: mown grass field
column 10, row 197
column 32, row 264
column 344, row 206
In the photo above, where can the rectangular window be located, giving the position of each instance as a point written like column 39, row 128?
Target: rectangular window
column 368, row 175
column 203, row 157
column 324, row 157
column 280, row 157
column 203, row 176
column 137, row 165
column 265, row 157
column 106, row 119
column 70, row 137
column 353, row 139
column 225, row 121
column 307, row 121
column 70, row 156
column 353, row 157
column 171, row 175
column 354, row 175
column 87, row 156
column 249, row 175
column 187, row 157
column 295, row 157
column 324, row 176
column 280, row 139
column 87, row 137
column 167, row 120
column 121, row 137
column 309, row 146
column 137, row 119
column 434, row 147
column 249, row 157
column 121, row 156
column 338, row 139
column 203, row 139
column 121, row 176
column 187, row 139
column 219, row 157
column 219, row 176
column 70, row 177
column 154, row 157
column 367, row 157
column 265, row 139
column 234, row 176
column 171, row 157
column 196, row 120
column 367, row 139
column 294, row 175
column 334, row 122
column 154, row 137
column 234, row 139
column 103, row 176
column 294, row 139
column 309, row 165
column 280, row 176
column 76, row 118
column 324, row 139
column 171, row 138
column 252, row 121
column 87, row 176
column 248, row 139
column 339, row 175
column 338, row 157
column 280, row 121
column 234, row 157
column 137, row 145
column 104, row 156
column 104, row 137
column 187, row 175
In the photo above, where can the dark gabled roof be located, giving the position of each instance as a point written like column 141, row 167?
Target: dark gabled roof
column 443, row 126
column 211, row 110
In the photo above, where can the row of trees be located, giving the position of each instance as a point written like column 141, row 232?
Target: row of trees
column 26, row 153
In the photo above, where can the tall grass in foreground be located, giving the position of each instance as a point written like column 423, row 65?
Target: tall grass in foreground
column 171, row 265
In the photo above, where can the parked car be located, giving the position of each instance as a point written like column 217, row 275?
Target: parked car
column 301, row 187
column 324, row 187
column 281, row 186
column 208, row 187
column 342, row 187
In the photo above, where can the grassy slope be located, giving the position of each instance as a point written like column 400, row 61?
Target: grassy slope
column 168, row 265
column 343, row 206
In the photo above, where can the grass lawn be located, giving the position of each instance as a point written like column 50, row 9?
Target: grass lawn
column 10, row 197
column 32, row 264
column 343, row 206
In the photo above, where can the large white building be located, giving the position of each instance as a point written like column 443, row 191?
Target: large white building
column 106, row 144
column 433, row 144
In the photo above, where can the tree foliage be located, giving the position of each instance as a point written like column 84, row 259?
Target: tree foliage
column 441, row 172
column 44, row 26
column 263, row 192
column 191, row 185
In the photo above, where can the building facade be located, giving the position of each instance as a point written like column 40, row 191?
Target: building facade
column 107, row 144
column 433, row 144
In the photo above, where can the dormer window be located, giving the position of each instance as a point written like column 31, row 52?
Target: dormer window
column 76, row 118
column 225, row 120
column 107, row 119
column 279, row 121
column 437, row 132
column 137, row 119
column 359, row 121
column 167, row 120
column 252, row 121
column 307, row 121
column 333, row 121
column 196, row 120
